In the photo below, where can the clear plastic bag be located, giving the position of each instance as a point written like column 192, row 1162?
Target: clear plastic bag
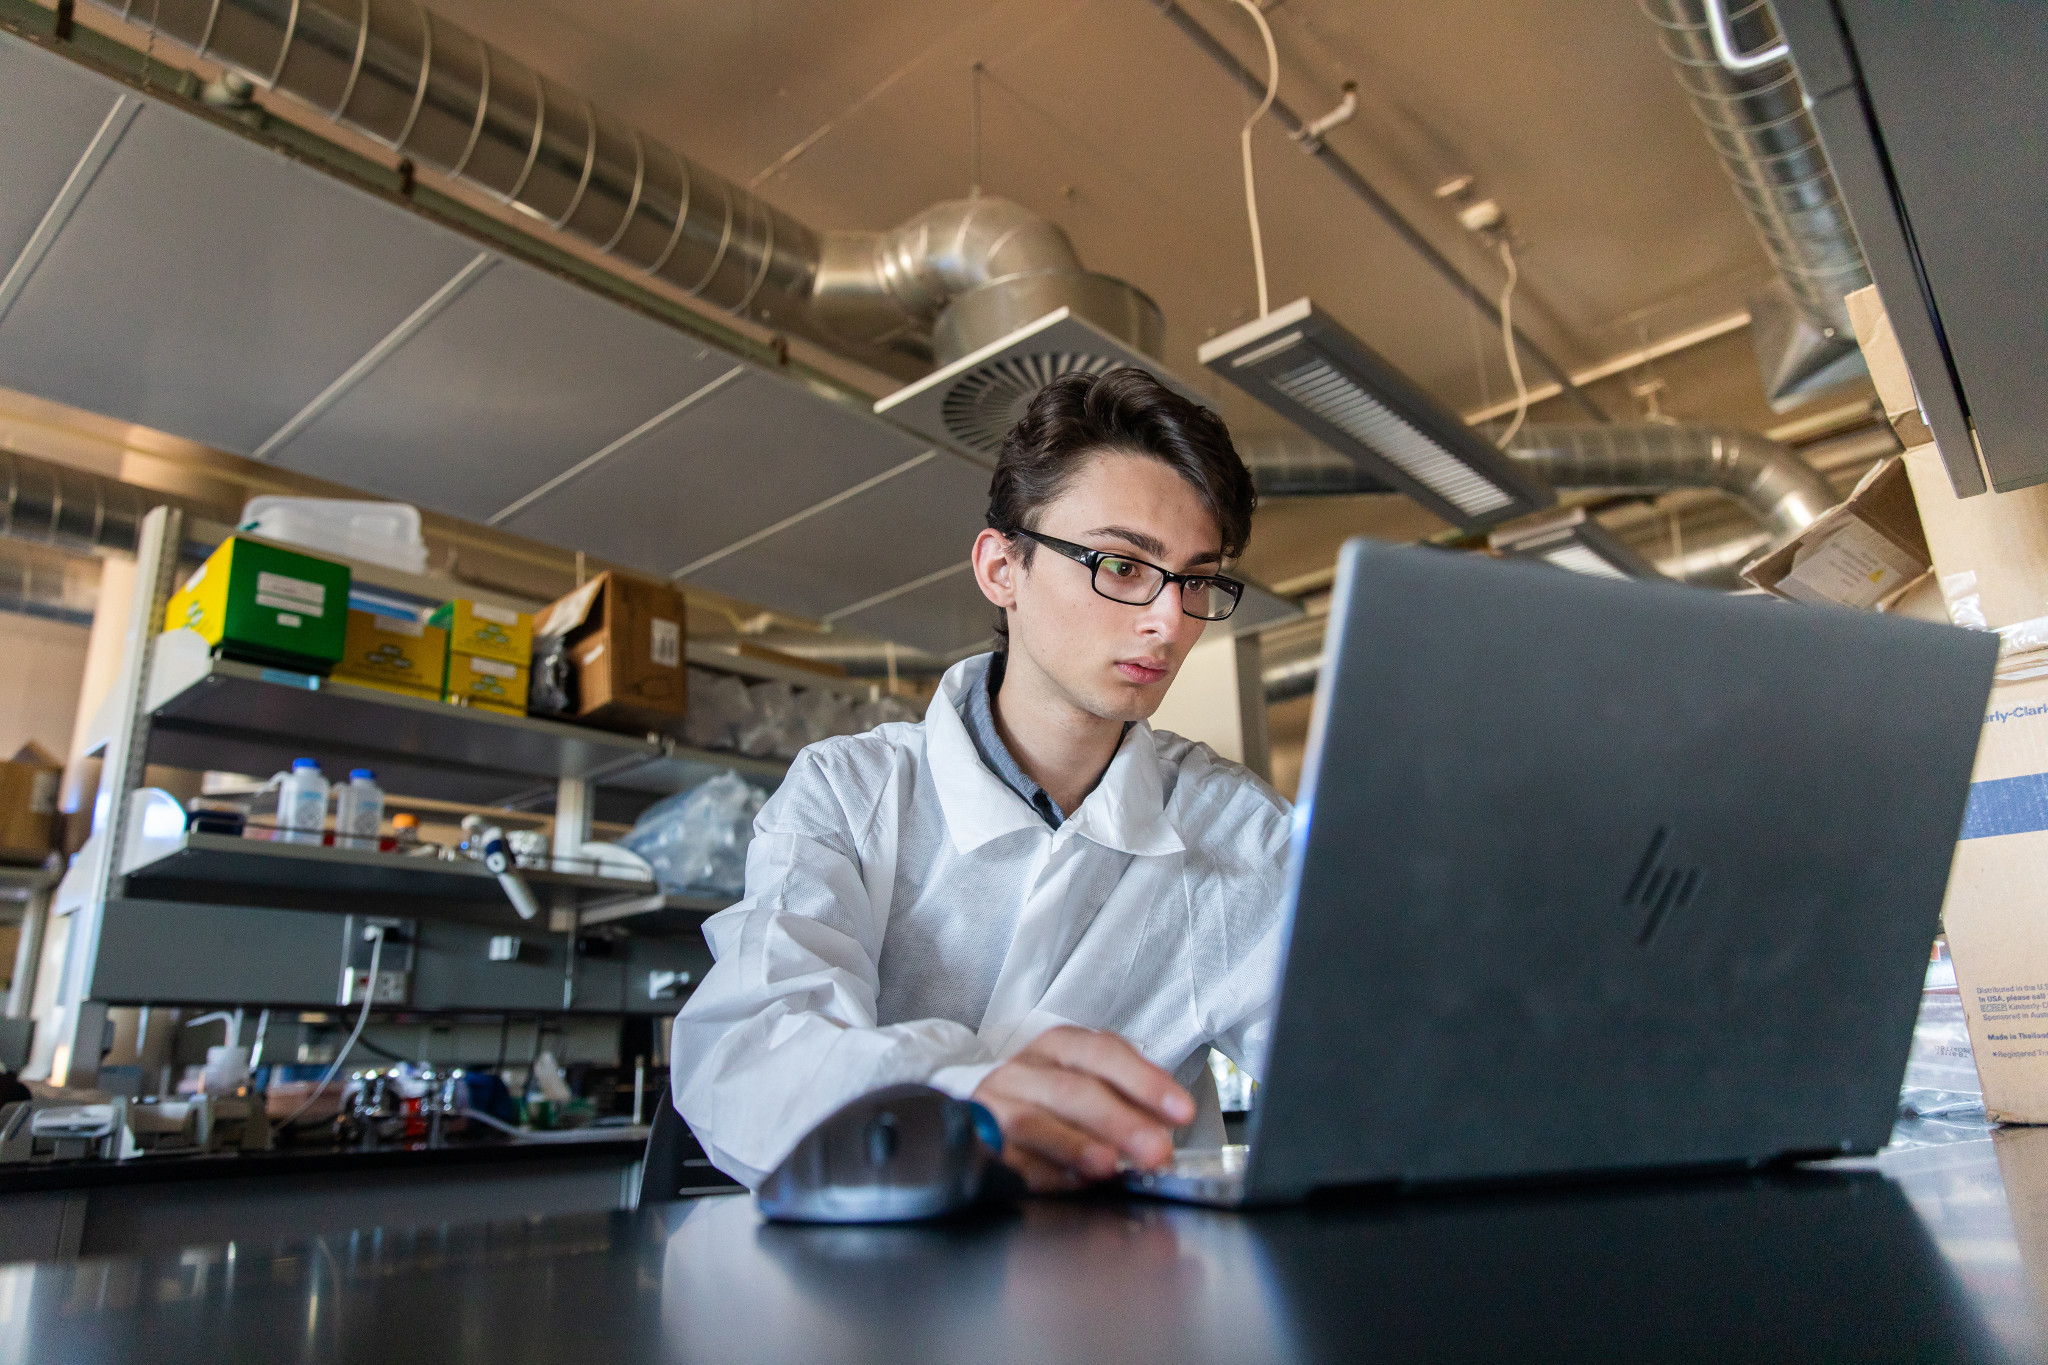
column 719, row 706
column 697, row 840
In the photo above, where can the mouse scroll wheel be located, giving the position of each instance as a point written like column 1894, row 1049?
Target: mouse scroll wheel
column 882, row 1139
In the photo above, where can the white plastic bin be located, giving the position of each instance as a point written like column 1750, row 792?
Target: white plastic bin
column 386, row 533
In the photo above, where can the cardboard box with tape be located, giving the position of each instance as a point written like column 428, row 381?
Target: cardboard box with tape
column 611, row 653
column 1990, row 560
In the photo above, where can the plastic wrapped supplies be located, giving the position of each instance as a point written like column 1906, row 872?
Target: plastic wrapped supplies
column 775, row 727
column 697, row 840
column 719, row 706
column 881, row 711
column 774, row 719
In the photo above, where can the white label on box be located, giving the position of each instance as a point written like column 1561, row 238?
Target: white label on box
column 288, row 618
column 398, row 625
column 493, row 668
column 668, row 643
column 501, row 615
column 290, row 594
column 42, row 793
column 1856, row 567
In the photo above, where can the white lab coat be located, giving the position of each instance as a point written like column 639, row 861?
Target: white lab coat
column 893, row 874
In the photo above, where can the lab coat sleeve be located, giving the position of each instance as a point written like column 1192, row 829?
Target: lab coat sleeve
column 782, row 1031
column 1237, row 899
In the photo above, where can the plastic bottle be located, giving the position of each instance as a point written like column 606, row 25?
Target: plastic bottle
column 358, row 811
column 302, row 804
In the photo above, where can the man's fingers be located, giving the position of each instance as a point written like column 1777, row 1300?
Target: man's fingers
column 1123, row 1066
column 1040, row 1176
column 1087, row 1103
column 1052, row 1139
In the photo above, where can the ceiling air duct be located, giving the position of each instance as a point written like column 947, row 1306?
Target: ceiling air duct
column 1755, row 114
column 943, row 285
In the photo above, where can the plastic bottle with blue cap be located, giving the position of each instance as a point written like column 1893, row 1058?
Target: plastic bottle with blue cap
column 359, row 811
column 302, row 804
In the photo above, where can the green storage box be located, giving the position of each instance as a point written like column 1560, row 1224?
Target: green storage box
column 266, row 604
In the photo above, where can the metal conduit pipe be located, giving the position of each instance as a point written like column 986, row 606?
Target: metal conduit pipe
column 1782, row 491
column 1758, row 123
column 432, row 92
column 70, row 509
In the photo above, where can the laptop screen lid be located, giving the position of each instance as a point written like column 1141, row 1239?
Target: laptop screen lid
column 1597, row 876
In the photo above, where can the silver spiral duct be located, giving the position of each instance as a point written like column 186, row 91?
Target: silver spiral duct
column 1757, row 121
column 1781, row 490
column 434, row 93
column 70, row 509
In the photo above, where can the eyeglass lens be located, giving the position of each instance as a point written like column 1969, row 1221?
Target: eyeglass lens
column 1136, row 583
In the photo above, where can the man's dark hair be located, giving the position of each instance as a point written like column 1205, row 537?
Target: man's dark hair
column 1082, row 415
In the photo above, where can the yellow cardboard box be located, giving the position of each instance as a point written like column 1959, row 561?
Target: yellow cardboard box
column 387, row 649
column 488, row 632
column 490, row 683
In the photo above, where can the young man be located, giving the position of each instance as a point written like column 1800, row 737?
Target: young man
column 1031, row 897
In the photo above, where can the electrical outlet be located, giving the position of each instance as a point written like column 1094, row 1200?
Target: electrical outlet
column 391, row 987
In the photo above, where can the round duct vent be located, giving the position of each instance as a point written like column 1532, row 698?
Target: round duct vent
column 982, row 404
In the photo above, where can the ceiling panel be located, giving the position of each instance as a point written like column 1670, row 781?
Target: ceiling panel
column 758, row 450
column 69, row 106
column 943, row 617
column 912, row 525
column 208, row 287
column 516, row 380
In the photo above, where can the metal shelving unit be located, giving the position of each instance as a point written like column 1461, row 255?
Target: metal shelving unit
column 208, row 712
column 243, row 914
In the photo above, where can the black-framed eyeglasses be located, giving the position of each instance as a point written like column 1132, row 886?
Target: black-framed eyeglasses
column 1120, row 578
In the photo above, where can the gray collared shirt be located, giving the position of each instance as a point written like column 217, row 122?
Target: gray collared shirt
column 977, row 712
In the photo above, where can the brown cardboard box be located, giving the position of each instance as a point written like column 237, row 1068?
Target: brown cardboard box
column 1887, row 366
column 1990, row 557
column 624, row 639
column 1997, row 907
column 28, row 804
column 1862, row 553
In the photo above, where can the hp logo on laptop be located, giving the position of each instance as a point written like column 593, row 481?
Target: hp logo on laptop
column 1659, row 887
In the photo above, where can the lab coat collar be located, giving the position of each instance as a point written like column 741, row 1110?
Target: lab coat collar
column 1126, row 811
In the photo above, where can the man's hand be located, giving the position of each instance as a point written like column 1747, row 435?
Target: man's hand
column 1075, row 1101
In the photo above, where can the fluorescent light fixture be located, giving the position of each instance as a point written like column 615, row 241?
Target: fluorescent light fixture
column 1574, row 541
column 1303, row 365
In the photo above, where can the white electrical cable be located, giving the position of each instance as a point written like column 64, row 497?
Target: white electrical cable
column 376, row 934
column 1251, row 194
column 1507, row 339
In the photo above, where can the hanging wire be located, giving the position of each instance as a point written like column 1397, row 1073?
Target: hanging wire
column 1251, row 194
column 974, row 130
column 1507, row 337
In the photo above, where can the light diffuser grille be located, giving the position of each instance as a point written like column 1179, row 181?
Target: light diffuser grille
column 1579, row 559
column 1337, row 400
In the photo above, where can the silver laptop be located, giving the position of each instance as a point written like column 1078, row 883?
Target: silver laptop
column 1594, row 877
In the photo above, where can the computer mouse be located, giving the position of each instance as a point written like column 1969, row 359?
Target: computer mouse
column 896, row 1155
